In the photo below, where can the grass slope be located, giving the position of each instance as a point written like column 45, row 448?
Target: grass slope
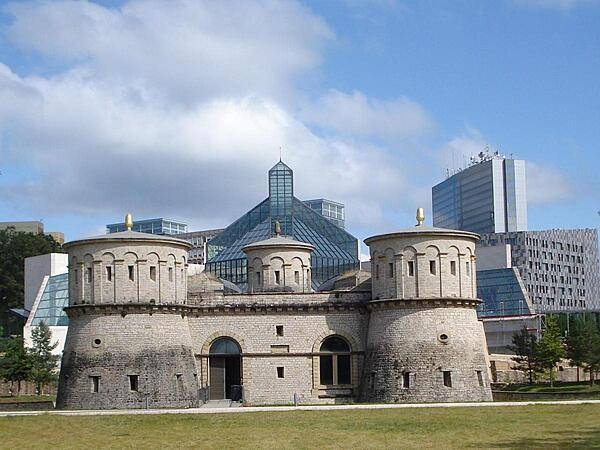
column 548, row 426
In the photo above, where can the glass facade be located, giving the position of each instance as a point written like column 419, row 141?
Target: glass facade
column 152, row 226
column 54, row 298
column 281, row 194
column 335, row 250
column 487, row 197
column 503, row 293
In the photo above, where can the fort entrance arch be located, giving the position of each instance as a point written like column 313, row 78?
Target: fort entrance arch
column 225, row 369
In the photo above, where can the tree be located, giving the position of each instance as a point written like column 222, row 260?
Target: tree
column 524, row 346
column 550, row 348
column 583, row 348
column 15, row 364
column 2, row 341
column 43, row 362
column 14, row 248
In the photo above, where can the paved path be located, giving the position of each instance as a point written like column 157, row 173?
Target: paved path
column 204, row 410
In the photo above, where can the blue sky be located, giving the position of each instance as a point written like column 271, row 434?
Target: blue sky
column 178, row 108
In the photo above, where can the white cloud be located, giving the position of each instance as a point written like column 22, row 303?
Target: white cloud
column 546, row 184
column 178, row 109
column 97, row 150
column 358, row 115
column 457, row 152
column 186, row 49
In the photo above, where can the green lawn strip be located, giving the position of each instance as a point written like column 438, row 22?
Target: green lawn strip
column 518, row 426
column 27, row 398
column 559, row 387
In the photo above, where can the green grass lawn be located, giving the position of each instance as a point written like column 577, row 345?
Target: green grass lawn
column 558, row 387
column 27, row 398
column 543, row 426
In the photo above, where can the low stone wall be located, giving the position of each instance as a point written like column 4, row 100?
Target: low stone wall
column 27, row 406
column 510, row 396
column 27, row 388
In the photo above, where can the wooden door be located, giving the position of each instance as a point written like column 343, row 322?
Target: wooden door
column 217, row 378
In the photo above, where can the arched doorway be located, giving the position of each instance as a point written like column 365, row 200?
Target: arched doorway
column 225, row 369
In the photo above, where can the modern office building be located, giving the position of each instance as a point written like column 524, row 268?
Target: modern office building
column 158, row 226
column 332, row 211
column 28, row 226
column 489, row 196
column 33, row 227
column 199, row 240
column 46, row 294
column 336, row 251
column 542, row 272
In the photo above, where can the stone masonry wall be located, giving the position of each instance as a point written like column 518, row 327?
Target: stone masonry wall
column 155, row 347
column 424, row 342
column 296, row 351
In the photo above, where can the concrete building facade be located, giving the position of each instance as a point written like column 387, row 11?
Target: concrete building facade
column 558, row 268
column 33, row 227
column 199, row 241
column 141, row 338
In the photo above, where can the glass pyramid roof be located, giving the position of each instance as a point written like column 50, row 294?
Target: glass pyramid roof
column 336, row 250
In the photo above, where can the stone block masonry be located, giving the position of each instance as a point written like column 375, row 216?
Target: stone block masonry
column 112, row 361
column 425, row 353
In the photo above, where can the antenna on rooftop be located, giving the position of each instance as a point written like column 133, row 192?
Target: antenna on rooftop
column 280, row 150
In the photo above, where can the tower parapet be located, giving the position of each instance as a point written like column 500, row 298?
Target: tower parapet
column 279, row 264
column 127, row 267
column 423, row 262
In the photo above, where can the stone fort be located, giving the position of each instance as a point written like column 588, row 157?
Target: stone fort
column 143, row 334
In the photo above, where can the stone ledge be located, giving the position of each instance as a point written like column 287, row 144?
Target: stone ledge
column 438, row 302
column 280, row 355
column 197, row 310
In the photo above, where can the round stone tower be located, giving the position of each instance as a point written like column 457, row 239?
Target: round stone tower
column 424, row 341
column 278, row 264
column 128, row 344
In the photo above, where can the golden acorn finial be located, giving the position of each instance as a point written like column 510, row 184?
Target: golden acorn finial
column 277, row 228
column 128, row 222
column 420, row 216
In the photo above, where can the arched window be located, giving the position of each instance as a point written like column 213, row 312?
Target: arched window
column 335, row 362
column 224, row 346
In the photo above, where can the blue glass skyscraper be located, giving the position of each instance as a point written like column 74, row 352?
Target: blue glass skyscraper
column 489, row 196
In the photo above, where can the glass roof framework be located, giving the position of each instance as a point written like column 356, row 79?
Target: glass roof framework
column 336, row 251
column 54, row 298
